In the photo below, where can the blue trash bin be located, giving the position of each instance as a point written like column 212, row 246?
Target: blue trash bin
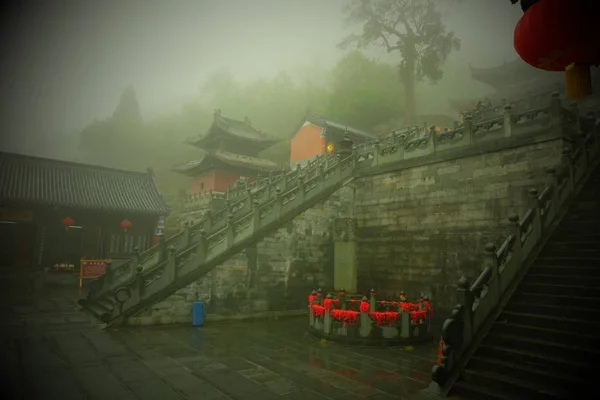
column 198, row 313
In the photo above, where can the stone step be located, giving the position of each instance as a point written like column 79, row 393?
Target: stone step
column 560, row 290
column 575, row 236
column 556, row 270
column 533, row 329
column 552, row 300
column 552, row 252
column 570, row 352
column 554, row 310
column 573, row 245
column 566, row 262
column 515, row 388
column 99, row 311
column 571, row 280
column 543, row 362
column 589, row 226
column 519, row 370
column 465, row 390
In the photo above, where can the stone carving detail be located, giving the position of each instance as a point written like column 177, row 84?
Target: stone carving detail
column 345, row 230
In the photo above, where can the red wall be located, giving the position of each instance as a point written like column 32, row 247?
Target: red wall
column 306, row 143
column 216, row 181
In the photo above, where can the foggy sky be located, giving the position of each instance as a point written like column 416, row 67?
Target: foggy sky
column 67, row 61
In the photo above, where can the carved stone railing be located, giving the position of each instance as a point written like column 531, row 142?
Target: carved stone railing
column 368, row 320
column 250, row 208
column 503, row 267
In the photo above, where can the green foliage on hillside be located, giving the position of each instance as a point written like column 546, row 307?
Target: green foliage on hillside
column 361, row 92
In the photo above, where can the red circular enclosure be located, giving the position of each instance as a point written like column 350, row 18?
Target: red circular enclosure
column 553, row 34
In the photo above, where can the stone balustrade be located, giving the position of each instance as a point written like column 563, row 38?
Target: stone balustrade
column 253, row 209
column 504, row 266
column 368, row 320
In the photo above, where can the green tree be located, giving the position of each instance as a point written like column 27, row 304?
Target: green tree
column 364, row 93
column 414, row 29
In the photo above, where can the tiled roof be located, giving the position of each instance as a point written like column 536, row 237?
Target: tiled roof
column 34, row 180
column 326, row 123
column 239, row 129
column 231, row 159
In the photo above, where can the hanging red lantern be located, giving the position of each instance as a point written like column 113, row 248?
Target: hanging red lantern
column 126, row 224
column 67, row 222
column 561, row 35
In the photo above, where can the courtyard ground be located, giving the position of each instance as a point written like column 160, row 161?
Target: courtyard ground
column 51, row 350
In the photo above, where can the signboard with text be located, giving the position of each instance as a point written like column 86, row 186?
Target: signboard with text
column 91, row 269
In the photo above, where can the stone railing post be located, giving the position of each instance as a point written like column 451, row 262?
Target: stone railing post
column 139, row 285
column 432, row 139
column 574, row 108
column 376, row 146
column 515, row 230
column 208, row 221
column 354, row 158
column 568, row 161
column 465, row 299
column 230, row 230
column 135, row 261
column 490, row 261
column 278, row 202
column 162, row 251
column 537, row 217
column 255, row 215
column 171, row 272
column 108, row 275
column 202, row 244
column 372, row 301
column 508, row 121
column 301, row 187
column 227, row 192
column 468, row 129
column 284, row 184
column 186, row 240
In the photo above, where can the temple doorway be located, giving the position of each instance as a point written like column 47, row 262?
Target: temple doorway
column 18, row 244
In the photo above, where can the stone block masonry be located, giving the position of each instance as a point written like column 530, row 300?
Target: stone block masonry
column 270, row 278
column 422, row 227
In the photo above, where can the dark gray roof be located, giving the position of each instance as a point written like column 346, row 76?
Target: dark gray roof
column 34, row 180
column 241, row 130
column 213, row 158
column 327, row 123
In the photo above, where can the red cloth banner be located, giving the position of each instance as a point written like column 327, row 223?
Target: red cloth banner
column 93, row 268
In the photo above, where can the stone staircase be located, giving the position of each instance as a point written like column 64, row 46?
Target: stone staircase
column 191, row 253
column 528, row 327
column 253, row 210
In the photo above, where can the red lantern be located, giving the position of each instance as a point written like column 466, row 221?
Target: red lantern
column 67, row 222
column 126, row 224
column 561, row 35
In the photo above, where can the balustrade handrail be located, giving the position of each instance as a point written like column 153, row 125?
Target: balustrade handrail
column 480, row 303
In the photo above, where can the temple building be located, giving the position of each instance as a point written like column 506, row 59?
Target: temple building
column 56, row 212
column 513, row 80
column 317, row 135
column 231, row 152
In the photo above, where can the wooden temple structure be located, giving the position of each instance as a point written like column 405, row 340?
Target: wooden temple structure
column 231, row 152
column 57, row 212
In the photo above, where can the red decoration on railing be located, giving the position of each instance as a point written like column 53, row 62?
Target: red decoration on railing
column 346, row 316
column 317, row 310
column 381, row 318
column 407, row 307
column 427, row 305
column 416, row 316
column 327, row 303
column 364, row 306
column 311, row 298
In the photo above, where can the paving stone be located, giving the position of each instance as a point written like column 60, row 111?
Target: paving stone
column 133, row 371
column 154, row 390
column 229, row 382
column 193, row 387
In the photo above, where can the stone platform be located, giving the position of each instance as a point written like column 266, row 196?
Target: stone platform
column 50, row 350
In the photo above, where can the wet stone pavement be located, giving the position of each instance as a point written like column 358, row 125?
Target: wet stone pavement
column 51, row 350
